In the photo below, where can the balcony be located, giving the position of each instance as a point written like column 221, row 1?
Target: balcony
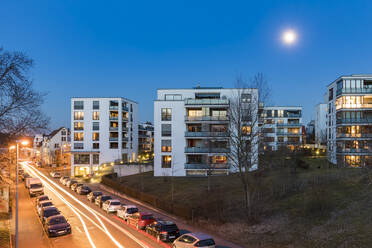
column 288, row 134
column 114, row 107
column 113, row 139
column 351, row 121
column 289, row 125
column 353, row 150
column 124, row 119
column 287, row 143
column 206, row 102
column 206, row 118
column 114, row 128
column 124, row 139
column 354, row 135
column 290, row 115
column 201, row 166
column 113, row 118
column 206, row 134
column 354, row 91
column 124, row 129
column 354, row 106
column 125, row 108
column 206, row 150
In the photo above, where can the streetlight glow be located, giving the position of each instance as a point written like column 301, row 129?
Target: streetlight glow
column 12, row 147
column 24, row 143
column 289, row 37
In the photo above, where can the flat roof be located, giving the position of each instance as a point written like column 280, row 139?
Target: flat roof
column 351, row 77
column 104, row 97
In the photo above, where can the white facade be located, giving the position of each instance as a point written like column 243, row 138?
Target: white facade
column 282, row 126
column 321, row 123
column 349, row 121
column 103, row 130
column 191, row 131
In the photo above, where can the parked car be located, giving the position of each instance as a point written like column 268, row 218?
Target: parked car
column 65, row 181
column 43, row 204
column 163, row 230
column 200, row 240
column 55, row 174
column 83, row 190
column 70, row 183
column 141, row 220
column 92, row 195
column 111, row 206
column 125, row 211
column 57, row 225
column 61, row 179
column 47, row 212
column 75, row 185
column 24, row 176
column 101, row 199
column 42, row 198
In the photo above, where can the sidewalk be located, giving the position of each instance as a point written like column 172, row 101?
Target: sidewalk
column 5, row 225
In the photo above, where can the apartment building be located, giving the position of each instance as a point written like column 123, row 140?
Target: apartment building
column 103, row 130
column 320, row 123
column 282, row 127
column 349, row 120
column 191, row 130
column 145, row 141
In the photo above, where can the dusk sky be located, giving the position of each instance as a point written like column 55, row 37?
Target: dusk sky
column 131, row 48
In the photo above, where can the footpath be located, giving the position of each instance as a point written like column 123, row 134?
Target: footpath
column 5, row 220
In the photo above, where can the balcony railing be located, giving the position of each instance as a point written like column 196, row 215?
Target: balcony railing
column 206, row 101
column 113, row 139
column 348, row 121
column 353, row 150
column 114, row 118
column 289, row 125
column 206, row 134
column 289, row 115
column 200, row 166
column 288, row 134
column 206, row 118
column 124, row 129
column 206, row 150
column 114, row 107
column 125, row 139
column 125, row 108
column 354, row 91
column 125, row 119
column 354, row 135
column 285, row 143
column 354, row 106
column 114, row 128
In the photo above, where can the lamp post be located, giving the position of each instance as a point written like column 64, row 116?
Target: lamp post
column 16, row 171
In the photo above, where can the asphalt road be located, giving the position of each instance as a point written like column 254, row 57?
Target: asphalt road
column 91, row 227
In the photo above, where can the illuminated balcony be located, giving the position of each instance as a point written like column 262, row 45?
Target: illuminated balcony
column 206, row 134
column 206, row 102
column 354, row 91
column 206, row 118
column 201, row 166
column 206, row 150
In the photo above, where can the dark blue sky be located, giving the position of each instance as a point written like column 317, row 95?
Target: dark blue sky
column 131, row 48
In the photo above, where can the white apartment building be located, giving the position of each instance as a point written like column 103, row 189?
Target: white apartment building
column 191, row 131
column 320, row 123
column 349, row 121
column 103, row 130
column 282, row 127
column 146, row 141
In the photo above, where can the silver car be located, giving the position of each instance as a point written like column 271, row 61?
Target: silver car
column 189, row 240
column 125, row 211
column 111, row 206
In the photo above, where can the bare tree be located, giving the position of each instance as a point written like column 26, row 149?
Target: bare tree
column 20, row 104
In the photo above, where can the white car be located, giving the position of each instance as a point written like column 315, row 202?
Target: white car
column 55, row 174
column 43, row 204
column 189, row 240
column 125, row 211
column 111, row 206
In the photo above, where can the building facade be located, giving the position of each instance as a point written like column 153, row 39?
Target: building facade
column 146, row 141
column 191, row 131
column 349, row 121
column 282, row 127
column 320, row 124
column 103, row 130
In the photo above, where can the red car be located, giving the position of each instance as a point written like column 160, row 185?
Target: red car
column 141, row 220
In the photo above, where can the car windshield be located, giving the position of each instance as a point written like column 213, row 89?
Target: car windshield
column 51, row 212
column 97, row 193
column 132, row 210
column 36, row 185
column 147, row 217
column 105, row 198
column 85, row 187
column 46, row 204
column 57, row 220
column 43, row 198
column 115, row 203
column 170, row 228
column 72, row 182
column 206, row 242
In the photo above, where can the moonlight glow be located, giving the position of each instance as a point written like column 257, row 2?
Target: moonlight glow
column 289, row 37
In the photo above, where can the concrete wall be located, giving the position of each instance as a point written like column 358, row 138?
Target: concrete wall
column 131, row 169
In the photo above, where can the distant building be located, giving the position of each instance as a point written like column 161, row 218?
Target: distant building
column 146, row 141
column 103, row 130
column 310, row 132
column 320, row 123
column 349, row 121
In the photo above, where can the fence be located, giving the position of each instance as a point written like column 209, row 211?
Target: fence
column 172, row 208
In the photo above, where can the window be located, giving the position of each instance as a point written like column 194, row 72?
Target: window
column 166, row 114
column 173, row 97
column 78, row 146
column 166, row 161
column 95, row 104
column 95, row 136
column 246, row 98
column 166, row 130
column 78, row 115
column 95, row 145
column 81, row 159
column 330, row 94
column 56, row 145
column 63, row 132
column 95, row 126
column 79, row 125
column 63, row 139
column 78, row 136
column 95, row 115
column 280, row 113
column 280, row 121
column 95, row 158
column 114, row 145
column 78, row 104
column 166, row 145
column 246, row 130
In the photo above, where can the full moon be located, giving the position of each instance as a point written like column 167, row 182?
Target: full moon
column 289, row 37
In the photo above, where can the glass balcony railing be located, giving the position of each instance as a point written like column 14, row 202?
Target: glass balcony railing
column 206, row 134
column 290, row 115
column 125, row 108
column 353, row 150
column 125, row 119
column 354, row 91
column 354, row 135
column 201, row 166
column 114, row 128
column 353, row 106
column 113, row 117
column 285, row 143
column 288, row 134
column 206, row 150
column 350, row 121
column 289, row 125
column 113, row 139
column 125, row 139
column 206, row 101
column 114, row 107
column 206, row 118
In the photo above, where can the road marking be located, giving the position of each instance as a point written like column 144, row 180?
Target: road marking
column 78, row 229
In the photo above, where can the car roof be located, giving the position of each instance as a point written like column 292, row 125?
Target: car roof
column 200, row 236
column 42, row 196
column 130, row 206
column 50, row 208
column 165, row 222
column 41, row 202
column 114, row 200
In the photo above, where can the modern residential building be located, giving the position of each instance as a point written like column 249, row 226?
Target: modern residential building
column 282, row 127
column 146, row 141
column 349, row 120
column 320, row 124
column 310, row 132
column 104, row 129
column 191, row 125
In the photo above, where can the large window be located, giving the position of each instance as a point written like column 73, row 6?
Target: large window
column 166, row 114
column 166, row 145
column 95, row 158
column 166, row 130
column 114, row 145
column 78, row 104
column 95, row 136
column 95, row 104
column 78, row 115
column 81, row 159
column 79, row 125
column 95, row 115
column 95, row 145
column 166, row 161
column 95, row 126
column 78, row 136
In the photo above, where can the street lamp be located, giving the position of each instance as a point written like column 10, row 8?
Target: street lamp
column 24, row 143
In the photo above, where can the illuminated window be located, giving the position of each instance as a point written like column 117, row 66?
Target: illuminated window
column 166, row 145
column 194, row 112
column 95, row 158
column 353, row 161
column 280, row 113
column 81, row 159
column 95, row 115
column 246, row 130
column 280, row 121
column 78, row 115
column 166, row 114
column 166, row 161
column 78, row 136
column 294, row 130
column 78, row 125
column 95, row 136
